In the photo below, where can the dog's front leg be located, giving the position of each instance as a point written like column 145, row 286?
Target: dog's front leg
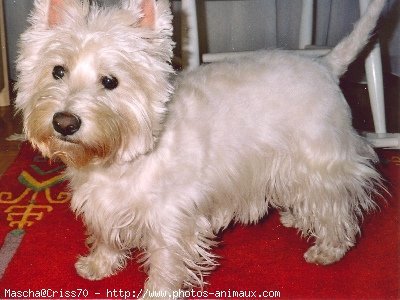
column 103, row 261
column 166, row 269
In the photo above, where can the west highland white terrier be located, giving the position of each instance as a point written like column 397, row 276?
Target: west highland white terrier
column 163, row 164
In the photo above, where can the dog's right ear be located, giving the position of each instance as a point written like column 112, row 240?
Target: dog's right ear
column 51, row 13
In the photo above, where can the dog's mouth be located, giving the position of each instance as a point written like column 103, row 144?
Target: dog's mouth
column 67, row 139
column 71, row 151
column 75, row 152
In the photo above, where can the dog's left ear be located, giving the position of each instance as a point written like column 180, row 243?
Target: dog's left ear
column 149, row 14
column 146, row 9
column 154, row 15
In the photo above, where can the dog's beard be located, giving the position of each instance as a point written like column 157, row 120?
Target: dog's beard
column 74, row 152
column 95, row 146
column 79, row 154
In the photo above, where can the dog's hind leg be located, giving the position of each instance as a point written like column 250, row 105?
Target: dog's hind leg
column 334, row 235
column 330, row 204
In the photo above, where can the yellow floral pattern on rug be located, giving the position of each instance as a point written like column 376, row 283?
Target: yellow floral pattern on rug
column 39, row 191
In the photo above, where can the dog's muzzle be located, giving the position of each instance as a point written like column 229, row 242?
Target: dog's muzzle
column 66, row 123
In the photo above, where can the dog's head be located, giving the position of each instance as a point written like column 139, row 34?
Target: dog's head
column 93, row 82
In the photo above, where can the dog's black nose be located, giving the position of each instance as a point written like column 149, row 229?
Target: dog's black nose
column 66, row 123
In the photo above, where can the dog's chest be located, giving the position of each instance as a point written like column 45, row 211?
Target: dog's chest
column 111, row 200
column 102, row 193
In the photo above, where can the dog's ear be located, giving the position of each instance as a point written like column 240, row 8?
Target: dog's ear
column 156, row 16
column 55, row 9
column 148, row 8
column 152, row 14
column 50, row 13
column 145, row 9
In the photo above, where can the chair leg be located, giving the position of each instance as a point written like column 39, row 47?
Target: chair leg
column 373, row 70
column 190, row 35
column 306, row 23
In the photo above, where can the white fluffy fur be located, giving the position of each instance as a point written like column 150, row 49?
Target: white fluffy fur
column 270, row 130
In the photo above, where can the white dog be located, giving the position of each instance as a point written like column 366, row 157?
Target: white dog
column 164, row 166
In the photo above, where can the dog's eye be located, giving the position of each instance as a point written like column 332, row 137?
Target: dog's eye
column 109, row 82
column 58, row 72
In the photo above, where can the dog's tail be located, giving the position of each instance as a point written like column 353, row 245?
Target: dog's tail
column 339, row 58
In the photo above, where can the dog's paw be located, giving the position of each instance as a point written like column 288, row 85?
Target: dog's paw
column 322, row 255
column 92, row 269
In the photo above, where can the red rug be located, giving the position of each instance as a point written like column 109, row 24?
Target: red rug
column 41, row 239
